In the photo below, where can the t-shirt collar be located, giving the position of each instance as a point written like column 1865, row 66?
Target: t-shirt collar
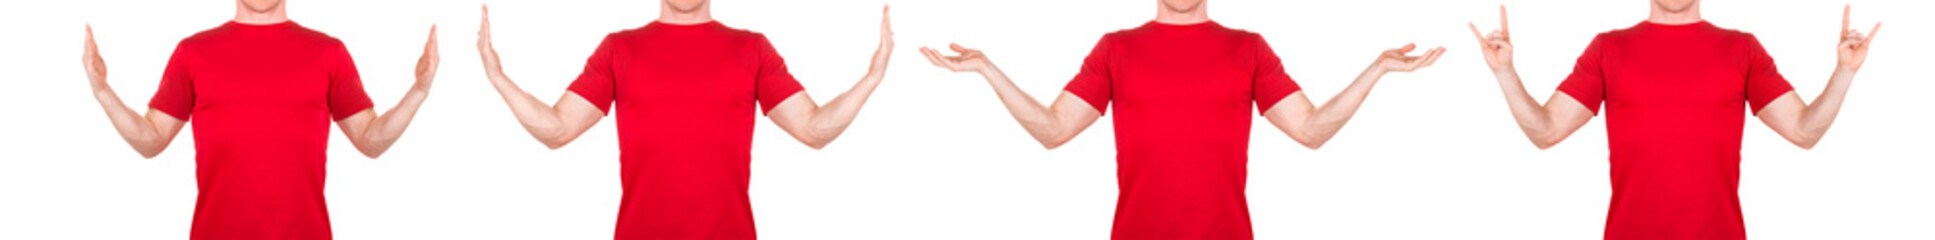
column 1193, row 26
column 1702, row 24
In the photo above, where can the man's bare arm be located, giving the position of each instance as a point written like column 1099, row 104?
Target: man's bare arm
column 1051, row 125
column 553, row 125
column 815, row 125
column 1803, row 123
column 1312, row 126
column 1546, row 124
column 373, row 134
column 148, row 134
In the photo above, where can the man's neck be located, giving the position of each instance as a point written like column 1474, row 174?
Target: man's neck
column 1165, row 15
column 246, row 16
column 668, row 14
column 1661, row 16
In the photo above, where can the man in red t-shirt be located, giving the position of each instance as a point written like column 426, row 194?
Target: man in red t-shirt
column 1672, row 87
column 684, row 89
column 262, row 91
column 1182, row 87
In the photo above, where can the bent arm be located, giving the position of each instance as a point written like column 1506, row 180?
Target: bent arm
column 816, row 125
column 1051, row 125
column 1802, row 123
column 1548, row 124
column 1312, row 125
column 373, row 134
column 553, row 125
column 148, row 134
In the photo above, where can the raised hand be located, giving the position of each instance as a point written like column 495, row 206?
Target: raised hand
column 1498, row 45
column 970, row 60
column 880, row 56
column 427, row 65
column 1853, row 50
column 92, row 62
column 488, row 53
column 1394, row 60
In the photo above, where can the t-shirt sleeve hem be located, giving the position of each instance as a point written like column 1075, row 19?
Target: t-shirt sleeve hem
column 339, row 116
column 1264, row 103
column 178, row 114
column 1761, row 101
column 603, row 107
column 766, row 109
column 1100, row 106
column 1590, row 105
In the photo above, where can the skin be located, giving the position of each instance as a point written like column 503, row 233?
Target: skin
column 151, row 133
column 811, row 124
column 1799, row 122
column 1308, row 124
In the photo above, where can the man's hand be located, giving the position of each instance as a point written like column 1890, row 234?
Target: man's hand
column 880, row 56
column 1498, row 45
column 1394, row 60
column 1854, row 46
column 491, row 67
column 427, row 65
column 92, row 62
column 970, row 60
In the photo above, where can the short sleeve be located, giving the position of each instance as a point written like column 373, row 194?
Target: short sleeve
column 176, row 95
column 773, row 84
column 346, row 96
column 597, row 84
column 1587, row 84
column 1764, row 82
column 1269, row 84
column 1094, row 83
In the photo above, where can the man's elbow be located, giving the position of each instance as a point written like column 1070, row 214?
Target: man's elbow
column 1309, row 142
column 1544, row 143
column 1054, row 142
column 1805, row 143
column 149, row 154
column 150, row 150
column 554, row 144
column 372, row 154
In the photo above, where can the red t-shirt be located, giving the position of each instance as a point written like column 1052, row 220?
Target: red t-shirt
column 685, row 113
column 1673, row 96
column 262, row 98
column 1182, row 95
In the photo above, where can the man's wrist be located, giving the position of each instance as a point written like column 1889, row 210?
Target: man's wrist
column 988, row 71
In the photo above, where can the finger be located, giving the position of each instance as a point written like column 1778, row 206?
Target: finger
column 885, row 17
column 957, row 47
column 1475, row 33
column 433, row 36
column 1432, row 56
column 1871, row 35
column 1503, row 24
column 1407, row 48
column 932, row 56
column 1846, row 10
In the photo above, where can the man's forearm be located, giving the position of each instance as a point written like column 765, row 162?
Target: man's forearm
column 1039, row 120
column 830, row 120
column 538, row 118
column 136, row 129
column 1326, row 120
column 1531, row 116
column 388, row 127
column 1821, row 113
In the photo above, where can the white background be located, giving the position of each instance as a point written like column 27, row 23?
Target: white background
column 1432, row 155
